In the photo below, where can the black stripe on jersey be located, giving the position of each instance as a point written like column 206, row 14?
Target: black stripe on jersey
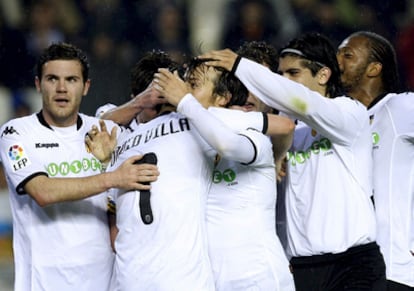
column 265, row 123
column 255, row 151
column 20, row 188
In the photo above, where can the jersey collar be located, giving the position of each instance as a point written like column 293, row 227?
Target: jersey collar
column 44, row 123
column 376, row 100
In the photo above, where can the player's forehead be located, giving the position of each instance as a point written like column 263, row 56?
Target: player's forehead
column 62, row 68
column 202, row 73
column 289, row 62
column 355, row 44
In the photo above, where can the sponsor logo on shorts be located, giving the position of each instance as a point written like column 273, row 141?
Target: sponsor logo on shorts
column 17, row 157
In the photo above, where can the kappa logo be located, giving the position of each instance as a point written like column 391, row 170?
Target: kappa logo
column 9, row 130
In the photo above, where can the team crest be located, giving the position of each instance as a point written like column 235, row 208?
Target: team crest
column 17, row 157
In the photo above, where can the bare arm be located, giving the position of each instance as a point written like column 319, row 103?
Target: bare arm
column 126, row 112
column 46, row 191
column 281, row 130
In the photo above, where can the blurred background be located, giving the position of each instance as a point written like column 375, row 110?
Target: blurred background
column 115, row 33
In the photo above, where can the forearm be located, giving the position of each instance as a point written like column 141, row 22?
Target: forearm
column 123, row 114
column 338, row 118
column 46, row 191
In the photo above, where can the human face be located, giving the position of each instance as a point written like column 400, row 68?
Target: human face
column 62, row 87
column 201, row 83
column 292, row 68
column 353, row 61
column 254, row 104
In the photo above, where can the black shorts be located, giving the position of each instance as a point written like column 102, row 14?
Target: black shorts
column 359, row 268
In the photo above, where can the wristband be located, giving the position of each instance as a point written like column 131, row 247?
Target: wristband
column 235, row 65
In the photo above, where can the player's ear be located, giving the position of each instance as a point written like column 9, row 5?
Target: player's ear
column 323, row 75
column 37, row 83
column 374, row 69
column 222, row 101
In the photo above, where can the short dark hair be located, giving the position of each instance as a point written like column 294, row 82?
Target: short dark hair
column 143, row 71
column 382, row 51
column 225, row 83
column 63, row 51
column 318, row 50
column 260, row 52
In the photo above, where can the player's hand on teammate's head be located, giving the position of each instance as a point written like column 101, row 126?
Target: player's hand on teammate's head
column 149, row 98
column 170, row 86
column 220, row 58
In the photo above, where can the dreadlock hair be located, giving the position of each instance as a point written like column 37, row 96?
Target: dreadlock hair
column 382, row 51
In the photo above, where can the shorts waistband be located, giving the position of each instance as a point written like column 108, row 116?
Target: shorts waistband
column 329, row 257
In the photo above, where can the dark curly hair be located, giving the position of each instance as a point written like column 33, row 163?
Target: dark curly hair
column 63, row 51
column 143, row 71
column 260, row 52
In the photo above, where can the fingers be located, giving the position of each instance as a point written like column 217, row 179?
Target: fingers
column 114, row 132
column 102, row 124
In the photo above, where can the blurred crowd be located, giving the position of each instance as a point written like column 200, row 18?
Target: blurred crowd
column 115, row 34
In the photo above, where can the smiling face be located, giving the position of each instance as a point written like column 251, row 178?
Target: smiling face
column 62, row 87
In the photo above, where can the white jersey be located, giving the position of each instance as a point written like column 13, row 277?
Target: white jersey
column 243, row 246
column 244, row 249
column 329, row 184
column 64, row 246
column 393, row 136
column 170, row 253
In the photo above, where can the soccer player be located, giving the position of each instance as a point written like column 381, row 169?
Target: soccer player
column 145, row 102
column 369, row 73
column 60, row 228
column 244, row 249
column 330, row 216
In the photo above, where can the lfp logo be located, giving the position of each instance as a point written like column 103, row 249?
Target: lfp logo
column 18, row 159
column 15, row 152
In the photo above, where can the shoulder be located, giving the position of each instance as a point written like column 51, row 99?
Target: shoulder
column 103, row 109
column 19, row 124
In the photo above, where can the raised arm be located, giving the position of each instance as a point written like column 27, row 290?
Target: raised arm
column 225, row 141
column 334, row 118
column 125, row 113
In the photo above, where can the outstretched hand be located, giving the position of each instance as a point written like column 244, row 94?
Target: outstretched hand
column 221, row 58
column 170, row 86
column 100, row 143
